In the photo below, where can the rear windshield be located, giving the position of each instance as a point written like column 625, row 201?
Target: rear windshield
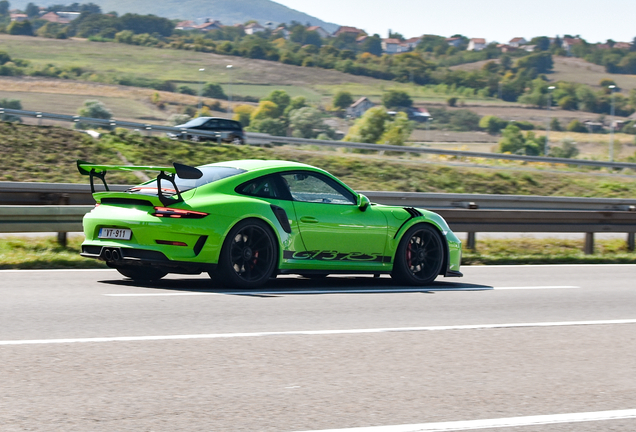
column 210, row 174
column 195, row 122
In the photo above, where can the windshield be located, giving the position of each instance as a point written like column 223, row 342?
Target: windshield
column 195, row 122
column 210, row 174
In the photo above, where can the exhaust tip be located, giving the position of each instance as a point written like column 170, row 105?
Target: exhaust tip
column 107, row 255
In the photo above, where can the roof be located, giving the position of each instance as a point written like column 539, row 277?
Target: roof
column 345, row 29
column 314, row 28
column 391, row 41
column 253, row 164
column 359, row 101
column 478, row 40
column 517, row 39
column 254, row 25
column 53, row 17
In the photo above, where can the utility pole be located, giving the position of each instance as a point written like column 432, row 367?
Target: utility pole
column 547, row 131
column 612, row 88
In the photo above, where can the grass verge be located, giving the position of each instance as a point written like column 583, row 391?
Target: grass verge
column 45, row 253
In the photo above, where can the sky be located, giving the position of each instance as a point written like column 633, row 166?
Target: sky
column 495, row 20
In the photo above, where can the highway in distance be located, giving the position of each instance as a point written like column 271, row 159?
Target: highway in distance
column 506, row 348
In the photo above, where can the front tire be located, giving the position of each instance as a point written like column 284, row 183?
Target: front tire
column 249, row 255
column 419, row 257
column 142, row 274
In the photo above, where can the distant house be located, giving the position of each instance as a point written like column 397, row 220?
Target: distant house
column 19, row 17
column 568, row 43
column 476, row 44
column 418, row 114
column 411, row 43
column 623, row 45
column 391, row 46
column 54, row 18
column 362, row 38
column 322, row 32
column 454, row 41
column 348, row 30
column 603, row 46
column 254, row 28
column 282, row 32
column 506, row 48
column 517, row 42
column 185, row 25
column 69, row 15
column 209, row 25
column 529, row 48
column 359, row 107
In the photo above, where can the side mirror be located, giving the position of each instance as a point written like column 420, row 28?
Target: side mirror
column 363, row 202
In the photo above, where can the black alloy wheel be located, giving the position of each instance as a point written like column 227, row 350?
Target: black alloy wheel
column 249, row 255
column 419, row 257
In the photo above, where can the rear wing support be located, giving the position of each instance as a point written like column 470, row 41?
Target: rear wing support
column 180, row 170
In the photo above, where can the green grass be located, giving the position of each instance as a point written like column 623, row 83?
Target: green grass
column 526, row 250
column 45, row 253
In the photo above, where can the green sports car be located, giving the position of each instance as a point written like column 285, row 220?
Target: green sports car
column 246, row 221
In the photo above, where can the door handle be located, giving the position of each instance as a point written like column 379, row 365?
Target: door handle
column 308, row 219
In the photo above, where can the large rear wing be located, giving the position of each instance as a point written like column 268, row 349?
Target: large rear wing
column 165, row 173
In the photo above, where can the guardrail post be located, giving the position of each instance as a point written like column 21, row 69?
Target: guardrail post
column 630, row 241
column 62, row 238
column 471, row 242
column 589, row 243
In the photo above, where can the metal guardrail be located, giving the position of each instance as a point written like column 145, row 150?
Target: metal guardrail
column 257, row 138
column 33, row 193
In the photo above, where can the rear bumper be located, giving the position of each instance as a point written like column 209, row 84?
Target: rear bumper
column 119, row 257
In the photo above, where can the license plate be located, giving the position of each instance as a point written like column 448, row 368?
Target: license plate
column 115, row 233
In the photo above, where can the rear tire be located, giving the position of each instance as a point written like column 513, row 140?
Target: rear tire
column 142, row 274
column 249, row 256
column 419, row 256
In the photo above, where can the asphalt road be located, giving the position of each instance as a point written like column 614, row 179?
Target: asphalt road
column 91, row 351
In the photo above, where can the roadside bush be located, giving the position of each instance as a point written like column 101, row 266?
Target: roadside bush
column 492, row 124
column 214, row 91
column 10, row 104
column 184, row 89
column 576, row 126
column 242, row 114
column 567, row 149
column 93, row 109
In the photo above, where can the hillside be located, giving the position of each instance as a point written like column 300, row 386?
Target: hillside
column 571, row 69
column 48, row 154
column 233, row 12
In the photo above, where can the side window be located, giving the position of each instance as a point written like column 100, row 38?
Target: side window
column 212, row 124
column 263, row 187
column 314, row 188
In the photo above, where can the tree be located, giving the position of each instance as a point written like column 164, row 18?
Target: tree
column 20, row 28
column 514, row 142
column 307, row 122
column 576, row 126
column 397, row 131
column 342, row 100
column 10, row 104
column 280, row 98
column 370, row 127
column 266, row 109
column 4, row 7
column 492, row 124
column 269, row 126
column 567, row 150
column 214, row 91
column 93, row 109
column 541, row 62
column 555, row 125
column 242, row 114
column 32, row 10
column 394, row 99
column 372, row 45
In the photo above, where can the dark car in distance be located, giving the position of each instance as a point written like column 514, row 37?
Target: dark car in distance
column 228, row 131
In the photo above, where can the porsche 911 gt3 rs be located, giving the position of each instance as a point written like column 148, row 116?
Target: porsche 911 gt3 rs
column 246, row 221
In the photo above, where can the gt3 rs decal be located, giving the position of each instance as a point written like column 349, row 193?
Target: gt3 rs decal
column 329, row 255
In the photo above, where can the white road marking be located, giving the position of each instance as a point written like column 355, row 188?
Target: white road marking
column 497, row 423
column 342, row 291
column 313, row 332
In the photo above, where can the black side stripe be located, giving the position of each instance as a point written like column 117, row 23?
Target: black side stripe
column 413, row 214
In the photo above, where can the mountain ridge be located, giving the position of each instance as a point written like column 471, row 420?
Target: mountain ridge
column 227, row 12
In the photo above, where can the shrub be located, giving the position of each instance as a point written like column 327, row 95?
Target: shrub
column 214, row 91
column 492, row 124
column 576, row 126
column 451, row 101
column 184, row 89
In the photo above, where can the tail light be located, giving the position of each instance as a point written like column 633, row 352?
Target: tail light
column 178, row 213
